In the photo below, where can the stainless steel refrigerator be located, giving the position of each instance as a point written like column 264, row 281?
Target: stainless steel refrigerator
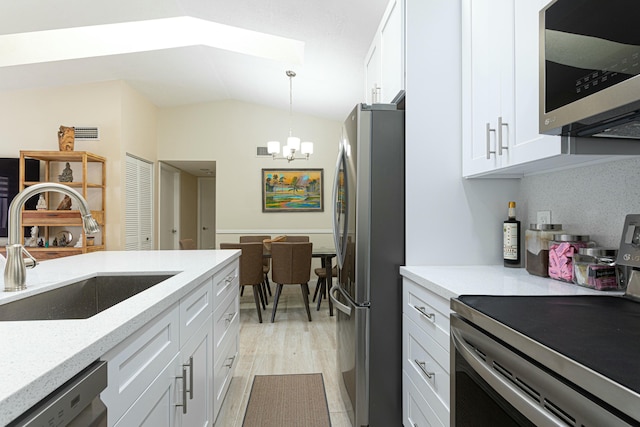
column 369, row 230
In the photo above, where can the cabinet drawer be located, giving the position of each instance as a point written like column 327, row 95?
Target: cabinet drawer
column 428, row 310
column 224, row 281
column 223, row 369
column 226, row 316
column 138, row 360
column 195, row 308
column 422, row 355
column 416, row 412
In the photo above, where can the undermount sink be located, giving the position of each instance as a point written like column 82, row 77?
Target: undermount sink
column 79, row 300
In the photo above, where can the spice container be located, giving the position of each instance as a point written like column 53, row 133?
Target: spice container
column 537, row 239
column 561, row 250
column 596, row 268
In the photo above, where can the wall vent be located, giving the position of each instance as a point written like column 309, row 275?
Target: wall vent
column 85, row 133
column 262, row 151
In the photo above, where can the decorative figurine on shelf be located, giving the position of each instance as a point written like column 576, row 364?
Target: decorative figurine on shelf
column 55, row 241
column 42, row 204
column 33, row 240
column 65, row 204
column 41, row 243
column 79, row 242
column 66, row 138
column 66, row 175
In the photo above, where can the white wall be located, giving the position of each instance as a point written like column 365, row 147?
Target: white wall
column 228, row 133
column 450, row 221
column 31, row 119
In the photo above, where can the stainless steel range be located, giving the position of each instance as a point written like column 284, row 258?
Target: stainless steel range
column 549, row 360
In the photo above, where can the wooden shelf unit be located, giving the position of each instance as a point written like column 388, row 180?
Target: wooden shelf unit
column 66, row 218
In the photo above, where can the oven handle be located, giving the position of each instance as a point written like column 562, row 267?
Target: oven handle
column 513, row 395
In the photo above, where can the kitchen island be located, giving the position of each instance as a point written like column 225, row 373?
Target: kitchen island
column 36, row 357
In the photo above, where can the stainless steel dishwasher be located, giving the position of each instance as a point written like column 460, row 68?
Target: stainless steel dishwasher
column 76, row 403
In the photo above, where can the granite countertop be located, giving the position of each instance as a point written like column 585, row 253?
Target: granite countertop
column 453, row 281
column 36, row 357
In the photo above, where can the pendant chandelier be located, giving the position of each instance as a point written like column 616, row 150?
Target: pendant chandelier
column 293, row 146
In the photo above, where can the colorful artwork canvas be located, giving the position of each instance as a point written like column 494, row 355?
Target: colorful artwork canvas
column 292, row 190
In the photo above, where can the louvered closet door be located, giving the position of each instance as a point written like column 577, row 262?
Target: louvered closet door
column 139, row 204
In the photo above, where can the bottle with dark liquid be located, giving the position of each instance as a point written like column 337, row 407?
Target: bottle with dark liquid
column 511, row 238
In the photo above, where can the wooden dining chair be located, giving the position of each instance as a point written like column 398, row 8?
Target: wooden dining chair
column 251, row 270
column 266, row 262
column 321, row 272
column 188, row 244
column 291, row 265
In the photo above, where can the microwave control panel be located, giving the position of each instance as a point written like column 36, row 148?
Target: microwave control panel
column 629, row 251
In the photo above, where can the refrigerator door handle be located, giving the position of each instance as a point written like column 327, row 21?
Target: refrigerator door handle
column 340, row 306
column 340, row 203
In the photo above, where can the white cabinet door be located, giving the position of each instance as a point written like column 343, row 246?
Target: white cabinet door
column 384, row 63
column 487, row 84
column 392, row 51
column 529, row 144
column 156, row 406
column 372, row 72
column 197, row 361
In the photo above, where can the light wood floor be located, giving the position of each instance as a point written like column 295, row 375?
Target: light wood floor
column 291, row 345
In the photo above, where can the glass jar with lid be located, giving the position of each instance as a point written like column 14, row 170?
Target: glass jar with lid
column 596, row 268
column 561, row 251
column 536, row 241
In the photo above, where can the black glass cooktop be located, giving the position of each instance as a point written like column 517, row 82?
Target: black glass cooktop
column 600, row 332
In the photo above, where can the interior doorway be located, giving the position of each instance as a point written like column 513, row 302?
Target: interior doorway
column 169, row 207
column 207, row 213
column 195, row 199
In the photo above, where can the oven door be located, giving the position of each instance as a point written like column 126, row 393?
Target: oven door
column 493, row 385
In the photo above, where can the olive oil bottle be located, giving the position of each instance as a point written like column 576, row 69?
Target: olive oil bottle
column 511, row 239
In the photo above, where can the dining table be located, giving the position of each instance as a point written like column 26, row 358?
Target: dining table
column 326, row 255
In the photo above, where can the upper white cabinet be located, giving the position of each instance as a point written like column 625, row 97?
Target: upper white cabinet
column 384, row 63
column 500, row 98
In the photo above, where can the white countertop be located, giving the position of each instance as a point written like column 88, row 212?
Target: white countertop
column 36, row 357
column 453, row 281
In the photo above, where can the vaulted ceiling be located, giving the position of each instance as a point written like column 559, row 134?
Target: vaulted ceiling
column 180, row 54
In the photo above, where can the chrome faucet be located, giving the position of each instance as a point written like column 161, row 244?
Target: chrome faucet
column 15, row 272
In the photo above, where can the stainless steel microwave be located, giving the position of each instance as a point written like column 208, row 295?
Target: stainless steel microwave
column 589, row 68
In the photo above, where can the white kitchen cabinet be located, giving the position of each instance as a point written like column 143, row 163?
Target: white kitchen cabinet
column 156, row 406
column 487, row 83
column 500, row 97
column 385, row 60
column 426, row 356
column 197, row 367
column 185, row 356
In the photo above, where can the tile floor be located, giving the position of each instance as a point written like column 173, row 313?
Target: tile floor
column 290, row 345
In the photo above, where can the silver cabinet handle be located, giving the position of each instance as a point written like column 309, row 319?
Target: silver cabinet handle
column 173, row 230
column 229, row 279
column 500, row 146
column 184, row 390
column 423, row 311
column 205, row 228
column 232, row 358
column 190, row 366
column 489, row 152
column 423, row 368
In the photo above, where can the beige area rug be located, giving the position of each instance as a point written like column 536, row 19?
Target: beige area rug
column 297, row 400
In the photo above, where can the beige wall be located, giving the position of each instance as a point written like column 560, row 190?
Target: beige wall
column 228, row 133
column 31, row 120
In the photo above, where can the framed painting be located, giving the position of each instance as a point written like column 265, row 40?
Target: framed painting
column 292, row 190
